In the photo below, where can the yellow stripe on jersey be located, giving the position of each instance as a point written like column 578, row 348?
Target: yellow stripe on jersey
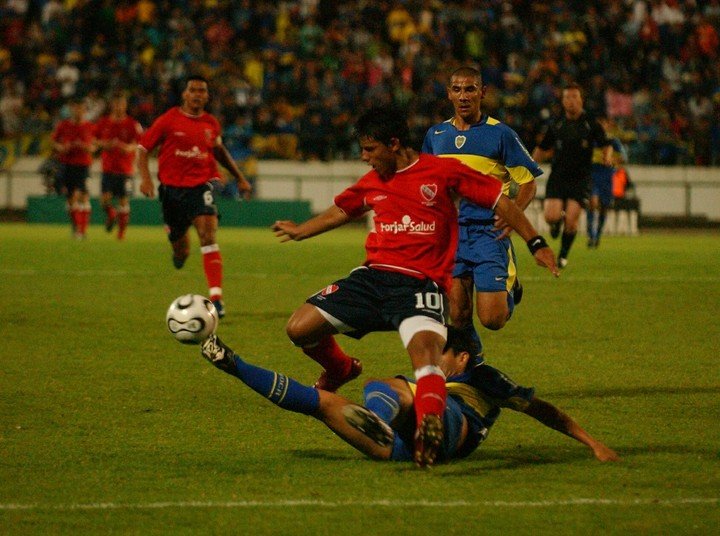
column 470, row 396
column 488, row 166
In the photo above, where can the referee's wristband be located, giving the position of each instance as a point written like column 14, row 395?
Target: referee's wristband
column 536, row 243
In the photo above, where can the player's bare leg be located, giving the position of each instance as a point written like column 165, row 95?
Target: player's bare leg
column 553, row 212
column 310, row 330
column 492, row 309
column 181, row 250
column 461, row 307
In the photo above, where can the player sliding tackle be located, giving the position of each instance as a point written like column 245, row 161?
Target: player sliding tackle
column 403, row 282
column 383, row 429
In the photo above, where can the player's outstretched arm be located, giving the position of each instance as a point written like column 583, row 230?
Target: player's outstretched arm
column 525, row 195
column 515, row 218
column 222, row 155
column 553, row 417
column 332, row 217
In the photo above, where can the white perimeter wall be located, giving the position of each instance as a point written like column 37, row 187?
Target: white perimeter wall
column 671, row 191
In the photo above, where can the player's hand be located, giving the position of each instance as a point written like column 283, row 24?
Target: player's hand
column 286, row 230
column 545, row 257
column 244, row 187
column 147, row 189
column 501, row 225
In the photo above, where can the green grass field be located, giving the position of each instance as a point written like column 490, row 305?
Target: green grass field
column 109, row 425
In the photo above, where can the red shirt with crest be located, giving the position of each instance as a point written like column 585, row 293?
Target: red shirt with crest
column 415, row 223
column 81, row 134
column 186, row 147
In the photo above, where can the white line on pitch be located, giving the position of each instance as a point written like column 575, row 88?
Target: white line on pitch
column 378, row 503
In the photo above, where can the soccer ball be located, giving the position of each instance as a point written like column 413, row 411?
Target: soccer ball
column 191, row 318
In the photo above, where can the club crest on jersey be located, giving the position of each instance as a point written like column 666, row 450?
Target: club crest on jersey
column 329, row 290
column 428, row 191
column 460, row 141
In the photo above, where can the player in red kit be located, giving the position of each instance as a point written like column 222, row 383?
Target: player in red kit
column 117, row 135
column 403, row 282
column 190, row 148
column 74, row 142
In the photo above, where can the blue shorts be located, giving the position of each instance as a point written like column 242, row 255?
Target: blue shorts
column 602, row 183
column 490, row 262
column 404, row 443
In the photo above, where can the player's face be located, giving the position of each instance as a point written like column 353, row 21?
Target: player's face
column 77, row 110
column 195, row 96
column 452, row 363
column 572, row 102
column 465, row 94
column 381, row 157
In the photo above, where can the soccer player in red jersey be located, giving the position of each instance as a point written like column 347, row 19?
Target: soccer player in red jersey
column 117, row 135
column 403, row 282
column 74, row 142
column 190, row 148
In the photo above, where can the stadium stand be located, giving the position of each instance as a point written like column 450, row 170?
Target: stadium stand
column 288, row 78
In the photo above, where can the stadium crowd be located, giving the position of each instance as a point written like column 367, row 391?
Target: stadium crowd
column 288, row 78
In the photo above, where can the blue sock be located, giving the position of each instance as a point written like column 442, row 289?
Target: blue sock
column 278, row 388
column 382, row 400
column 601, row 224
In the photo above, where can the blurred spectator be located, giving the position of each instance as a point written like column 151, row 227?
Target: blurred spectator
column 641, row 61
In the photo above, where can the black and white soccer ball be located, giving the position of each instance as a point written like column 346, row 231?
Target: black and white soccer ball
column 192, row 318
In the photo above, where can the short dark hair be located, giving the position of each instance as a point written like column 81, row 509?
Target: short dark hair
column 195, row 78
column 574, row 85
column 466, row 71
column 383, row 123
column 459, row 341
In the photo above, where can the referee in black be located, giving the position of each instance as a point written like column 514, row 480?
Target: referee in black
column 570, row 141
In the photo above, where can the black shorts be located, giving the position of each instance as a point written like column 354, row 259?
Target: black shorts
column 73, row 178
column 577, row 188
column 180, row 206
column 370, row 300
column 115, row 183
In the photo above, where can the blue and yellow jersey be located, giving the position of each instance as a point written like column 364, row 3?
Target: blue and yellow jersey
column 619, row 152
column 481, row 392
column 490, row 147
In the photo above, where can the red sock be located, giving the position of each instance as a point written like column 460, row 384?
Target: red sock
column 430, row 395
column 75, row 217
column 212, row 264
column 123, row 221
column 110, row 211
column 84, row 219
column 330, row 356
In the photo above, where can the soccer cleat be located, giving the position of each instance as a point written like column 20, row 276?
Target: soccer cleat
column 367, row 422
column 110, row 224
column 219, row 307
column 219, row 354
column 593, row 243
column 555, row 228
column 517, row 290
column 428, row 438
column 562, row 262
column 328, row 382
column 178, row 262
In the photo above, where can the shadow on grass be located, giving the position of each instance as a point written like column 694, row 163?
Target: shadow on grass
column 632, row 392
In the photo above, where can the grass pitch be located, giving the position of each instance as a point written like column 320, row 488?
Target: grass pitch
column 109, row 425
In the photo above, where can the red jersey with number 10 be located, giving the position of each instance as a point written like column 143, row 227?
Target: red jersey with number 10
column 186, row 147
column 415, row 223
column 127, row 131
